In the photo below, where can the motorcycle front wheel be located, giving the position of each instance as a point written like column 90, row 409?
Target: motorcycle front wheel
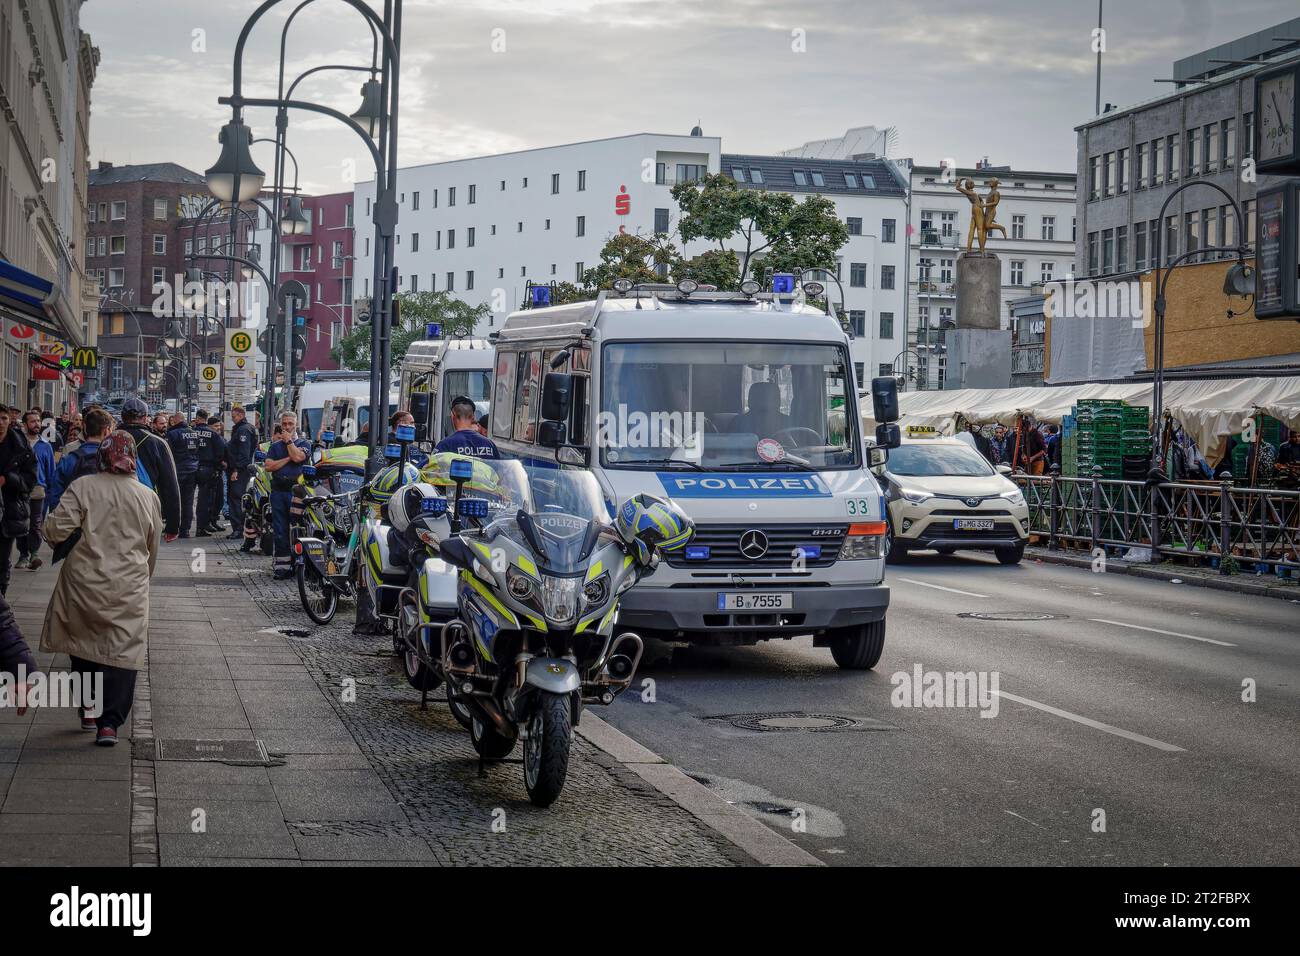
column 546, row 750
column 458, row 709
column 319, row 598
column 418, row 674
column 488, row 743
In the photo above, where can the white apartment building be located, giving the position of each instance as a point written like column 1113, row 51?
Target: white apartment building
column 1037, row 209
column 481, row 228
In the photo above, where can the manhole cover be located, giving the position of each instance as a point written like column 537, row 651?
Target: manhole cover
column 1011, row 616
column 218, row 751
column 797, row 721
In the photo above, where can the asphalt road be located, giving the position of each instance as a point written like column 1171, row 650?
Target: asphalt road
column 1127, row 704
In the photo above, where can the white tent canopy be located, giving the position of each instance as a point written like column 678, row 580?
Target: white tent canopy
column 1208, row 409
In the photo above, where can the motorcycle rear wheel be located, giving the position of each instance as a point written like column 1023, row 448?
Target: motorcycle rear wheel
column 319, row 598
column 546, row 750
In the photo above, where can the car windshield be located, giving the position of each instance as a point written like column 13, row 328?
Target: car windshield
column 562, row 504
column 721, row 405
column 935, row 461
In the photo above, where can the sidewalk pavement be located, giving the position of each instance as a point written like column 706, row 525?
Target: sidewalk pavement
column 342, row 765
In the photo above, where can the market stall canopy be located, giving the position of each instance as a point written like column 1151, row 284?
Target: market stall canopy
column 1208, row 409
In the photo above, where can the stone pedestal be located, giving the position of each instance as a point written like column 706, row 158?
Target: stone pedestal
column 978, row 358
column 979, row 291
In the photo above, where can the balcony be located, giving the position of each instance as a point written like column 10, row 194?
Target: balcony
column 934, row 238
column 927, row 289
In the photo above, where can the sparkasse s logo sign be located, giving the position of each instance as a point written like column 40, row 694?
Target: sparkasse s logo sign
column 75, row 909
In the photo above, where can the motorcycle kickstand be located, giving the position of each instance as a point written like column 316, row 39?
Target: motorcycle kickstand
column 424, row 700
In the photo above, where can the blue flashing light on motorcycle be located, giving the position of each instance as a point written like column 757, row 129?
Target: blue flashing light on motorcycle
column 393, row 451
column 404, row 433
column 462, row 469
column 472, row 507
column 434, row 506
column 309, row 471
column 327, row 436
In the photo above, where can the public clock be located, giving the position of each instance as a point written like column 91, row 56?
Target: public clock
column 1276, row 117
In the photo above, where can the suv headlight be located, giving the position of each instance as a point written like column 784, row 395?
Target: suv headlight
column 1014, row 497
column 914, row 496
column 560, row 599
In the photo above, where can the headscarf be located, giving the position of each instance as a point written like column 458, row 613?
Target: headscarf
column 117, row 454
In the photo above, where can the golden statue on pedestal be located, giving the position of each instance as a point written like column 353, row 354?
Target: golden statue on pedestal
column 983, row 212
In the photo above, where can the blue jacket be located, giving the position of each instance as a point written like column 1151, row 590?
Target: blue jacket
column 44, row 462
column 61, row 475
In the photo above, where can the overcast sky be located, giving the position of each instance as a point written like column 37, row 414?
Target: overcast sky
column 963, row 78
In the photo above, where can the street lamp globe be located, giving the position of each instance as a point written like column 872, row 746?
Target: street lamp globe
column 234, row 162
column 175, row 335
column 371, row 110
column 295, row 221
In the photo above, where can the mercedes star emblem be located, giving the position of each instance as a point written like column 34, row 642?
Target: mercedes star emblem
column 753, row 544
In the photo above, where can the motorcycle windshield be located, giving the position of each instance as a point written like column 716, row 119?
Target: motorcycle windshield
column 564, row 510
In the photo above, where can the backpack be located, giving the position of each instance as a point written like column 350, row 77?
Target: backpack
column 141, row 472
column 86, row 462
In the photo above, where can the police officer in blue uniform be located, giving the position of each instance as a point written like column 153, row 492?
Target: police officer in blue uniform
column 212, row 455
column 188, row 446
column 466, row 439
column 285, row 460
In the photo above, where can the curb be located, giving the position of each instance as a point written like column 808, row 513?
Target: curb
column 1223, row 583
column 756, row 839
column 144, row 789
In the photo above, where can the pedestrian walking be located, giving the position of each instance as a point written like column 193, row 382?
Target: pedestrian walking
column 17, row 478
column 154, row 453
column 1001, row 445
column 240, row 451
column 99, row 612
column 285, row 460
column 82, row 460
column 44, row 452
column 16, row 657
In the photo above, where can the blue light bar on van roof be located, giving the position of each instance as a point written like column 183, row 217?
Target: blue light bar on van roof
column 783, row 283
column 541, row 295
column 433, row 330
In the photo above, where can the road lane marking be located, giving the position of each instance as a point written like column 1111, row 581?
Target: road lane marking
column 940, row 587
column 1156, row 630
column 1089, row 722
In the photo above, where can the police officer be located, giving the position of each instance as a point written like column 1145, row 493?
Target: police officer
column 466, row 439
column 210, row 452
column 240, row 450
column 156, row 455
column 285, row 460
column 185, row 441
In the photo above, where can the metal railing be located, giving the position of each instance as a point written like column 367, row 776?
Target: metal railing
column 1198, row 520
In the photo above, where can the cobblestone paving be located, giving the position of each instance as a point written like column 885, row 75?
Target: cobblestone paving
column 606, row 815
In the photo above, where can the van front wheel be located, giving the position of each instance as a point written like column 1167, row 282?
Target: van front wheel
column 858, row 648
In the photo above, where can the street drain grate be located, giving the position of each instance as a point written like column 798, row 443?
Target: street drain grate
column 793, row 721
column 212, row 751
column 1011, row 616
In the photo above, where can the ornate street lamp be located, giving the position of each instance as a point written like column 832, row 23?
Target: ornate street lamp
column 371, row 111
column 235, row 163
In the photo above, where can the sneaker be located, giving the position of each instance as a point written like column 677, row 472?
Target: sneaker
column 34, row 563
column 107, row 737
column 87, row 722
column 22, row 561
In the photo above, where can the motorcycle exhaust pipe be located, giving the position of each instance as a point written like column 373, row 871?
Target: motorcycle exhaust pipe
column 620, row 667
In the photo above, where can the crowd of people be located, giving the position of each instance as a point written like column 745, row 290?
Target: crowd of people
column 1035, row 450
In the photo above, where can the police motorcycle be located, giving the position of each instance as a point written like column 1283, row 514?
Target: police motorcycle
column 542, row 571
column 381, row 578
column 257, row 505
column 326, row 533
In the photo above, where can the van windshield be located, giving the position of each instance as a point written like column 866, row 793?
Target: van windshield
column 726, row 405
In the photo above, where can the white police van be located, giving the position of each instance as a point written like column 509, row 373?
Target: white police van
column 742, row 408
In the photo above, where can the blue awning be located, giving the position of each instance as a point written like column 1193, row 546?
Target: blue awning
column 33, row 300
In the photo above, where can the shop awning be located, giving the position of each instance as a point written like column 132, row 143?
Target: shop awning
column 28, row 299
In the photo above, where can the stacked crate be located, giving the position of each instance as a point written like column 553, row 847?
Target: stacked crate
column 1100, row 444
column 1069, row 445
column 1270, row 433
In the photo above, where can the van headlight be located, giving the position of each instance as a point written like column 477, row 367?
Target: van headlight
column 865, row 540
column 1014, row 497
column 560, row 599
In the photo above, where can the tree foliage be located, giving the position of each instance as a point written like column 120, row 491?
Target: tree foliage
column 628, row 256
column 415, row 310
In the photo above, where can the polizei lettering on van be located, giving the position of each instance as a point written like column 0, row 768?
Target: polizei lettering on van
column 744, row 486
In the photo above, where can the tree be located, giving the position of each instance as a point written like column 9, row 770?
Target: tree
column 792, row 235
column 628, row 256
column 414, row 311
column 715, row 267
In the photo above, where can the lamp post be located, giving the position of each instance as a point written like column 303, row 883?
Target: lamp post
column 1160, row 279
column 376, row 123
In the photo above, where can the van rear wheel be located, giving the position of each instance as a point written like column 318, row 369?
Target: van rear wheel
column 858, row 648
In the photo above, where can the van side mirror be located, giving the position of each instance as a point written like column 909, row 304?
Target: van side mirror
column 552, row 434
column 557, row 394
column 884, row 399
column 888, row 436
column 420, row 408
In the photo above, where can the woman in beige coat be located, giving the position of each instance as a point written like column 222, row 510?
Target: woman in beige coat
column 99, row 612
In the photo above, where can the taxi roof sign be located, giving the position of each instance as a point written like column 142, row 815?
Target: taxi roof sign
column 922, row 431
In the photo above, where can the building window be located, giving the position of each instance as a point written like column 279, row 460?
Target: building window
column 1229, row 142
column 546, row 228
column 756, row 176
column 577, row 272
column 887, row 228
column 116, row 278
column 660, row 173
column 1141, row 170
column 415, row 201
column 854, row 224
column 1170, row 242
column 1121, row 248
column 886, row 277
column 1247, row 146
column 451, row 282
column 800, row 178
column 851, row 180
column 1191, row 232
column 1248, row 209
column 859, row 373
column 1210, row 227
column 451, row 195
column 117, row 245
column 469, row 236
column 435, row 200
column 1046, row 271
column 817, row 179
column 1212, row 147
column 858, row 322
column 189, row 247
column 159, row 244
column 1094, row 178
column 1228, row 227
column 1171, row 158
column 691, row 172
column 1121, row 172
column 886, row 325
column 1049, row 228
column 415, row 244
column 1017, row 271
column 555, row 183
column 1139, row 246
column 1108, row 176
column 415, row 282
column 451, row 238
column 1107, row 251
column 160, row 208
column 119, row 211
column 159, row 277
column 523, row 183
column 945, row 271
column 582, row 180
column 661, row 221
column 1193, row 152
column 1157, row 161
column 582, row 225
column 469, row 280
column 519, row 227
column 858, row 275
column 1018, row 227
